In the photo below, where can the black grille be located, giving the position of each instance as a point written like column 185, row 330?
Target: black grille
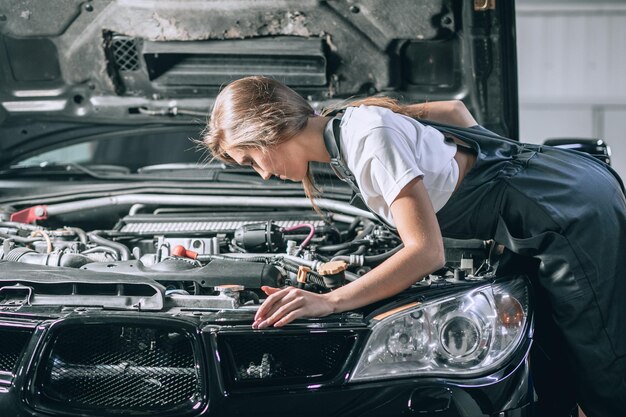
column 11, row 348
column 125, row 53
column 263, row 359
column 120, row 368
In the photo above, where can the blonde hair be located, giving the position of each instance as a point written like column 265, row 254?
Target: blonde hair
column 259, row 112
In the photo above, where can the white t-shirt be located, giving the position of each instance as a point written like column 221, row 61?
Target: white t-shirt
column 385, row 151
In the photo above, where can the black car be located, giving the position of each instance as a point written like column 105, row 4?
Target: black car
column 131, row 265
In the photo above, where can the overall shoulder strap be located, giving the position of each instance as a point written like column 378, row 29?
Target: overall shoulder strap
column 473, row 133
column 332, row 139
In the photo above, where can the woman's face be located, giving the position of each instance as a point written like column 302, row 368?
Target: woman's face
column 283, row 161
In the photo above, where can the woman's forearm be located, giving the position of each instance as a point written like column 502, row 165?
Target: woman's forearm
column 397, row 273
column 422, row 254
column 452, row 112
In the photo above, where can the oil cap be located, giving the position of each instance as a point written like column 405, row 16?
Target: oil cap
column 333, row 273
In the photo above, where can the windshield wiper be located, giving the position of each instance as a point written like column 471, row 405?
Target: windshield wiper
column 163, row 172
column 104, row 172
column 181, row 167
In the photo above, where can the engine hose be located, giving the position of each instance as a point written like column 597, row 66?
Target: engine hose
column 18, row 225
column 98, row 249
column 351, row 260
column 346, row 245
column 322, row 258
column 361, row 250
column 121, row 248
column 20, row 239
column 306, row 241
column 46, row 238
column 357, row 241
column 246, row 296
column 350, row 232
column 342, row 253
column 376, row 259
column 355, row 223
column 332, row 232
column 366, row 231
column 351, row 276
column 82, row 236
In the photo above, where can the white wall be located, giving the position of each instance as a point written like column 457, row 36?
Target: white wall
column 572, row 72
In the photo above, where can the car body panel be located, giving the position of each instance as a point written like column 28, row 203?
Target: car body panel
column 108, row 62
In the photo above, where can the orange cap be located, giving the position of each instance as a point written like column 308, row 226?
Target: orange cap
column 332, row 268
column 179, row 250
column 302, row 271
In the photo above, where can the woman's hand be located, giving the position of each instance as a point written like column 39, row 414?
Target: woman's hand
column 285, row 305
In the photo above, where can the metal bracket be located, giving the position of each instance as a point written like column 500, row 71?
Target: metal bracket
column 30, row 215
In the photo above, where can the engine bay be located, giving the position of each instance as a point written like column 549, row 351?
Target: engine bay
column 199, row 259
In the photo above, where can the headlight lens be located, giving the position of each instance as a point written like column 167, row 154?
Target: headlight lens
column 465, row 335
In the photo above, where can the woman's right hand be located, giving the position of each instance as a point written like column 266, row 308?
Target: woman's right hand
column 283, row 306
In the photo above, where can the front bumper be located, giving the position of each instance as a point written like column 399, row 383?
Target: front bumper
column 505, row 392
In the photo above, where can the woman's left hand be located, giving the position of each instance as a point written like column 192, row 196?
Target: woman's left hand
column 285, row 305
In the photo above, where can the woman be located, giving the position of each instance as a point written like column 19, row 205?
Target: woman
column 431, row 179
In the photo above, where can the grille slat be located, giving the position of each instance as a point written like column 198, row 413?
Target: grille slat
column 120, row 368
column 284, row 359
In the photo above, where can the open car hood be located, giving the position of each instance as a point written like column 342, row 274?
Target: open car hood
column 77, row 64
column 130, row 280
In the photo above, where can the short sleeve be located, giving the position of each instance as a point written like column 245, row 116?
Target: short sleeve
column 385, row 151
column 391, row 164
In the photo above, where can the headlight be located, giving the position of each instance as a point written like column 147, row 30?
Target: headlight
column 464, row 335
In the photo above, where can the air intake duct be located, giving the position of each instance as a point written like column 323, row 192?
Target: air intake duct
column 56, row 258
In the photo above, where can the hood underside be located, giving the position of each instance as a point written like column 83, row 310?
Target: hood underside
column 118, row 60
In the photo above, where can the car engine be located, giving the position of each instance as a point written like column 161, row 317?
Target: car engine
column 210, row 260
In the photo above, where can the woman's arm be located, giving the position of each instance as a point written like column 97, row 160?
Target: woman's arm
column 452, row 112
column 422, row 254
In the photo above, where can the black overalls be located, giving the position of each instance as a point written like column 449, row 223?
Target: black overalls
column 564, row 214
column 567, row 210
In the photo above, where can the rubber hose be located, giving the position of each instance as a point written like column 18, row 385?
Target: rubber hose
column 121, row 248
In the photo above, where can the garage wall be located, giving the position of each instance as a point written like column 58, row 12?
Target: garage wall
column 572, row 72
